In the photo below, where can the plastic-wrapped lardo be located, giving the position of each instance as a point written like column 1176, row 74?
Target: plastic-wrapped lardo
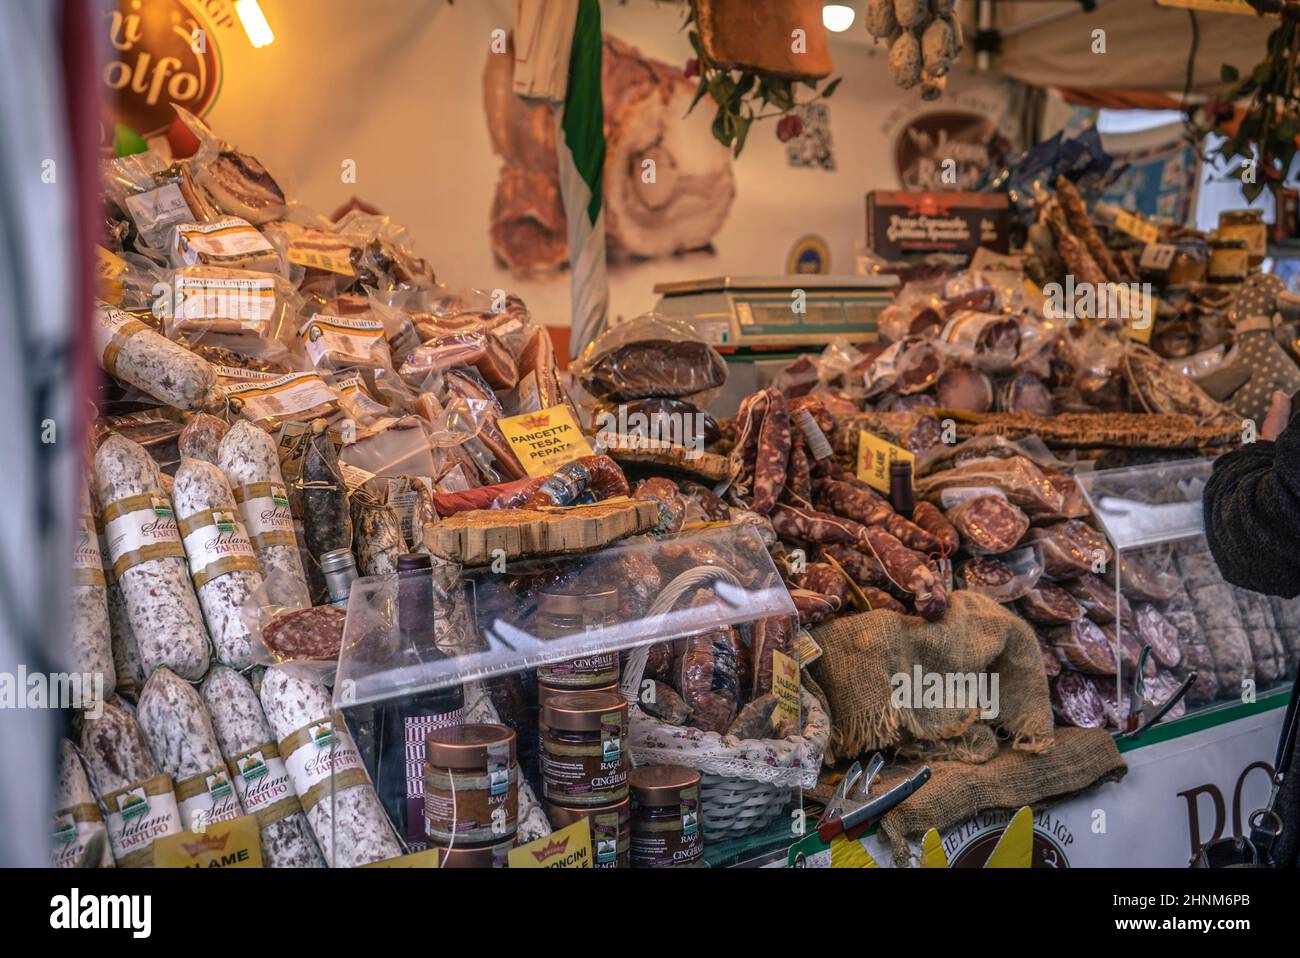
column 247, row 455
column 136, row 354
column 148, row 558
column 258, row 771
column 92, row 641
column 352, row 829
column 179, row 733
column 221, row 556
column 78, row 826
column 138, row 797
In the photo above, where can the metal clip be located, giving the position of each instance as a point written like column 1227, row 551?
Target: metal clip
column 1142, row 711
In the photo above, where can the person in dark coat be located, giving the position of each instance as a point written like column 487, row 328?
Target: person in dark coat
column 1252, row 524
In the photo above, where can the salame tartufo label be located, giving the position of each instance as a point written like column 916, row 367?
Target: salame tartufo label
column 141, row 528
column 263, row 784
column 87, row 562
column 316, row 751
column 216, row 543
column 265, row 509
column 139, row 815
column 74, row 829
column 207, row 798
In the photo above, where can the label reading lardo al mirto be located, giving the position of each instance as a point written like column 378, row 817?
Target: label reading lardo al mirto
column 246, row 300
column 263, row 784
column 314, row 752
column 138, row 815
column 341, row 340
column 216, row 543
column 87, row 562
column 227, row 237
column 207, row 798
column 74, row 829
column 141, row 528
column 282, row 397
column 265, row 510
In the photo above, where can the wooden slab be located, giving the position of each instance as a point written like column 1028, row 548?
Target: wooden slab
column 637, row 450
column 473, row 538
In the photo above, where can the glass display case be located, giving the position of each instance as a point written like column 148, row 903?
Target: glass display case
column 1169, row 596
column 655, row 681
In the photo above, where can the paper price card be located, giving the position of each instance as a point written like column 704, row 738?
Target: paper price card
column 425, row 859
column 874, row 458
column 1136, row 227
column 1215, row 6
column 545, row 440
column 785, row 683
column 1140, row 308
column 570, row 847
column 229, row 844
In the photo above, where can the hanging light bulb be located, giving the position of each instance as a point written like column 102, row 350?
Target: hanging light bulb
column 837, row 17
column 254, row 21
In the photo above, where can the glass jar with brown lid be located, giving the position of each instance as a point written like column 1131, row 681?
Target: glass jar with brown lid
column 611, row 830
column 1246, row 225
column 665, row 817
column 584, row 738
column 1229, row 260
column 562, row 614
column 471, row 785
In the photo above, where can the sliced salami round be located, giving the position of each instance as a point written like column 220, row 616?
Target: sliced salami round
column 1076, row 701
column 1084, row 646
column 988, row 524
column 1156, row 631
column 1051, row 663
column 1098, row 599
column 1048, row 604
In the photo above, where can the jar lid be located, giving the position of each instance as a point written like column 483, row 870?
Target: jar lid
column 475, row 856
column 591, row 606
column 466, row 746
column 1220, row 242
column 337, row 560
column 661, row 784
column 560, row 816
column 581, row 711
column 547, row 692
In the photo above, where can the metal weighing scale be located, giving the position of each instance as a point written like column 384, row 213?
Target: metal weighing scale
column 750, row 320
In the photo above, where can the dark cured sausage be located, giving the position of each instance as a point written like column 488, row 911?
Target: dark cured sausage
column 864, row 569
column 773, row 454
column 809, row 525
column 928, row 517
column 910, row 571
column 855, row 501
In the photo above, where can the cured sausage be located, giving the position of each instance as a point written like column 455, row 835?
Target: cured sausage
column 258, row 772
column 672, row 504
column 326, row 516
column 247, row 455
column 1084, row 646
column 78, row 825
column 798, row 478
column 599, row 475
column 1017, row 477
column 858, row 502
column 768, row 636
column 352, row 829
column 705, row 672
column 1051, row 664
column 928, row 517
column 910, row 534
column 1048, row 604
column 1098, row 600
column 201, row 437
column 988, row 524
column 773, row 454
column 149, row 560
column 879, row 599
column 910, row 571
column 125, row 776
column 809, row 525
column 863, row 569
column 1076, row 701
column 748, row 425
column 1130, row 647
column 91, row 634
column 132, row 352
column 824, row 578
column 179, row 732
column 222, row 562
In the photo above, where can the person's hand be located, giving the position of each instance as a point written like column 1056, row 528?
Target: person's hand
column 1279, row 414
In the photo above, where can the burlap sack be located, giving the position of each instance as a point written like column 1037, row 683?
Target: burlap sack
column 1080, row 758
column 861, row 654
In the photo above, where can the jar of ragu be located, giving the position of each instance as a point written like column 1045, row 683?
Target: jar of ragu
column 665, row 817
column 584, row 737
column 1229, row 260
column 546, row 691
column 471, row 785
column 1246, row 225
column 475, row 856
column 611, row 830
column 560, row 615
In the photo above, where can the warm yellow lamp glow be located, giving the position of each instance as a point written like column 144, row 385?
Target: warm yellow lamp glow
column 254, row 21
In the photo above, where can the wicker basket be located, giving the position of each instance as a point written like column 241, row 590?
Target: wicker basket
column 732, row 807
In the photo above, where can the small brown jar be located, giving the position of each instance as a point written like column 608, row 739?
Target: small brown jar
column 475, row 856
column 1246, row 225
column 665, row 817
column 584, row 738
column 560, row 615
column 471, row 785
column 611, row 830
column 1229, row 261
column 546, row 692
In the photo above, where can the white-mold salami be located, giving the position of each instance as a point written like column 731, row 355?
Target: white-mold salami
column 136, row 354
column 92, row 641
column 78, row 824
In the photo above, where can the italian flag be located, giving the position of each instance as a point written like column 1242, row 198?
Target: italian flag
column 581, row 146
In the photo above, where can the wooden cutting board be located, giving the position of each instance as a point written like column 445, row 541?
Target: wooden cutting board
column 473, row 538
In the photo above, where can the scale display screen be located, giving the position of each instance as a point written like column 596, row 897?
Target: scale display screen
column 774, row 316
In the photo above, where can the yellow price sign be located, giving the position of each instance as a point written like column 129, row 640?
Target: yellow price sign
column 570, row 847
column 545, row 440
column 230, row 844
column 875, row 455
